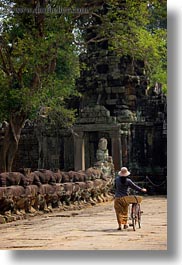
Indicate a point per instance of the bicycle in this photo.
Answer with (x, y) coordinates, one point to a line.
(135, 214)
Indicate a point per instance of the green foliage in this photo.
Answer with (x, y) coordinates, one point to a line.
(139, 29)
(59, 117)
(38, 57)
(134, 28)
(38, 63)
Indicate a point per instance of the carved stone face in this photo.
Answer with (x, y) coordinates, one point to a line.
(102, 144)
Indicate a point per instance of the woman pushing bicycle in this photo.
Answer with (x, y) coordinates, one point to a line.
(121, 198)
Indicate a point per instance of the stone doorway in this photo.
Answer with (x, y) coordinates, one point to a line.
(91, 146)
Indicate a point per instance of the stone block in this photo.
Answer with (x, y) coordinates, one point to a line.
(111, 101)
(10, 218)
(108, 90)
(115, 82)
(118, 89)
(102, 68)
(2, 219)
(132, 98)
(131, 90)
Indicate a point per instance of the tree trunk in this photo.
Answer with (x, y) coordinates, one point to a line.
(12, 131)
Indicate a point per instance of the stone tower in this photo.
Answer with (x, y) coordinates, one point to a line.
(115, 105)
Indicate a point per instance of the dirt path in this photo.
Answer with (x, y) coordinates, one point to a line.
(92, 228)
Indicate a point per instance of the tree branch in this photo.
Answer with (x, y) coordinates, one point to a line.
(4, 66)
(13, 130)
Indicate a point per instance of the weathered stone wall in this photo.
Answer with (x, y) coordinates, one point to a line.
(111, 81)
(40, 147)
(119, 85)
(116, 104)
(145, 152)
(28, 151)
(148, 152)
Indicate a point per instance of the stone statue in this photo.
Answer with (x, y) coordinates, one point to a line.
(102, 151)
(107, 167)
(104, 161)
(111, 166)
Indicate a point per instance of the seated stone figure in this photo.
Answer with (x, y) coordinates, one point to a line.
(102, 151)
(104, 161)
(107, 168)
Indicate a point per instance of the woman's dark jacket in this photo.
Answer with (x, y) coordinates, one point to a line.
(122, 185)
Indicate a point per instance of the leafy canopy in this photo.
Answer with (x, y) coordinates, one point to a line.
(138, 29)
(38, 63)
(39, 55)
(134, 28)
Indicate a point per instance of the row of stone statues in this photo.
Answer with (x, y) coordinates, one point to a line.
(42, 190)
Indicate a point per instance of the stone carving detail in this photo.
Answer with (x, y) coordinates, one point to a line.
(104, 161)
(32, 192)
(102, 151)
(107, 167)
(126, 115)
(96, 114)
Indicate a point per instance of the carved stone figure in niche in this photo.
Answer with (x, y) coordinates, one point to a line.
(102, 151)
(106, 169)
(111, 165)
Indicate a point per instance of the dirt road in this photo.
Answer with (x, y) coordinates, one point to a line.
(92, 228)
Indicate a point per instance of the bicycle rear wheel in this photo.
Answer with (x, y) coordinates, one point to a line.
(134, 223)
(133, 216)
(139, 217)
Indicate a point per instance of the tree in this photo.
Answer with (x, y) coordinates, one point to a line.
(38, 55)
(134, 28)
(38, 66)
